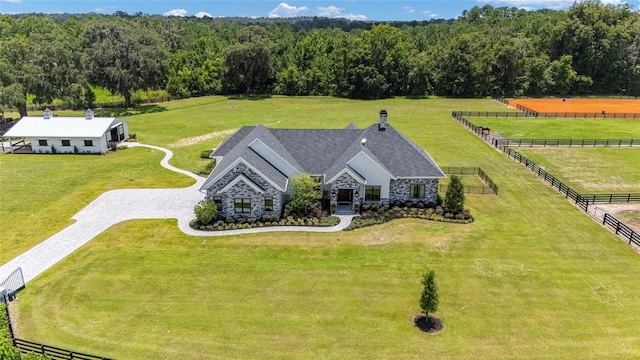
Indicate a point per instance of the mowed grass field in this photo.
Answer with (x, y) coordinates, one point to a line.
(532, 277)
(591, 170)
(550, 128)
(40, 193)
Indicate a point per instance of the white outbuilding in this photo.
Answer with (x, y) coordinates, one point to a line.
(66, 135)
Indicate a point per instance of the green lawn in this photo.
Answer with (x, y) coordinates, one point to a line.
(532, 277)
(40, 193)
(591, 170)
(531, 128)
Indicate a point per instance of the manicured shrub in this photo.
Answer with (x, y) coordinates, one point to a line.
(205, 154)
(205, 211)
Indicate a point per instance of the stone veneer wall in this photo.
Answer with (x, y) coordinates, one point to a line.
(345, 181)
(401, 190)
(242, 190)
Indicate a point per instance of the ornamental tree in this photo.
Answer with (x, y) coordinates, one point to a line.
(454, 198)
(429, 299)
(305, 195)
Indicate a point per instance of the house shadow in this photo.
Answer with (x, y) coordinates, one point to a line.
(253, 97)
(136, 110)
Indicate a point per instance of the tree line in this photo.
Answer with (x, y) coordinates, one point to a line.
(592, 48)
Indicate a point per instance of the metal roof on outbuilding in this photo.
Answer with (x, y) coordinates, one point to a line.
(62, 127)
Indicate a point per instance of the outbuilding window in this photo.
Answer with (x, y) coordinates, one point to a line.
(88, 143)
(42, 142)
(242, 205)
(372, 193)
(66, 142)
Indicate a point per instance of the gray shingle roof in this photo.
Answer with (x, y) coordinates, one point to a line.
(326, 151)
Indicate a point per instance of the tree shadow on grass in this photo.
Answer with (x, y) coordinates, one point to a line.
(429, 324)
(253, 97)
(137, 110)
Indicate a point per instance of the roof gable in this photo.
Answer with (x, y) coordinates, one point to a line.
(321, 152)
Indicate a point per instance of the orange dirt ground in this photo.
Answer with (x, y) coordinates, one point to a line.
(579, 105)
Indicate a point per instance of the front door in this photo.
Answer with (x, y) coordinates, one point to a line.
(345, 196)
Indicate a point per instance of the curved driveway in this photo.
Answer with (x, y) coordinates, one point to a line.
(115, 206)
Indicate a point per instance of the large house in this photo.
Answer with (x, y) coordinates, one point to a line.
(66, 135)
(373, 165)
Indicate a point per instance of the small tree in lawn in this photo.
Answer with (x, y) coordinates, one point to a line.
(454, 198)
(306, 193)
(205, 211)
(429, 298)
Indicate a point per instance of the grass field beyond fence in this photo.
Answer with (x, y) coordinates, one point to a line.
(591, 170)
(532, 277)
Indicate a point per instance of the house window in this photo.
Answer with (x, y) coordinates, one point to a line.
(268, 203)
(88, 143)
(66, 142)
(372, 193)
(218, 201)
(42, 142)
(417, 191)
(242, 205)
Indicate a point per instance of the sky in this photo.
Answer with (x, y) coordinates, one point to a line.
(365, 10)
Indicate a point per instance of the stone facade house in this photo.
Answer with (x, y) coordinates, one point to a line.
(355, 166)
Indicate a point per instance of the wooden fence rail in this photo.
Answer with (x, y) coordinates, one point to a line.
(566, 142)
(621, 229)
(30, 347)
(524, 112)
(462, 170)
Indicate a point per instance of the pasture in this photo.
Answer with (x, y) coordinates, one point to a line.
(570, 105)
(532, 277)
(591, 170)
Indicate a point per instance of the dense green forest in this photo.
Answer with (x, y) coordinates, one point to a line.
(592, 48)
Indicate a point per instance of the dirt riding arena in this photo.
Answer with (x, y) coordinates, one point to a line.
(570, 105)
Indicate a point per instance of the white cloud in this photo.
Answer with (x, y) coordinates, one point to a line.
(548, 4)
(329, 11)
(176, 12)
(201, 14)
(408, 9)
(430, 14)
(12, 1)
(286, 10)
(354, 17)
(336, 12)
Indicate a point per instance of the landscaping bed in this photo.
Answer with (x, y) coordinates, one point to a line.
(231, 223)
(374, 214)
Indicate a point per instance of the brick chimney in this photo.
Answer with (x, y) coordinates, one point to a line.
(382, 126)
